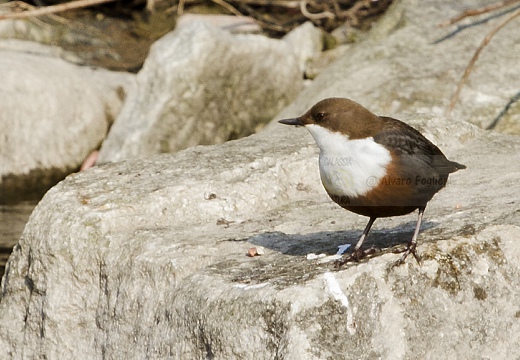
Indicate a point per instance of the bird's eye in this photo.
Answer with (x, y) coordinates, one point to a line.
(319, 117)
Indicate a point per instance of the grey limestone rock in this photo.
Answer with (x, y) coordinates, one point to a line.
(146, 258)
(53, 114)
(203, 85)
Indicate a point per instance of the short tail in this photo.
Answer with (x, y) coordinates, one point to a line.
(457, 166)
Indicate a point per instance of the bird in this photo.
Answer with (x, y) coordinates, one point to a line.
(375, 166)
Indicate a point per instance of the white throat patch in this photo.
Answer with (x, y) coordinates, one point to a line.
(349, 167)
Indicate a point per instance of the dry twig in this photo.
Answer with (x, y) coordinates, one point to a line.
(314, 16)
(279, 16)
(180, 7)
(475, 12)
(282, 16)
(53, 9)
(353, 12)
(228, 7)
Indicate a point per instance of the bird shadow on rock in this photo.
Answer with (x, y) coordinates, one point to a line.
(290, 266)
(327, 242)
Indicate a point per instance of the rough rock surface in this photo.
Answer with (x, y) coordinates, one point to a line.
(53, 114)
(203, 85)
(146, 258)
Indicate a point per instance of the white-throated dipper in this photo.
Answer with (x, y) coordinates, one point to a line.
(373, 165)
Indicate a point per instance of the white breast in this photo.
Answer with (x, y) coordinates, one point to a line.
(349, 167)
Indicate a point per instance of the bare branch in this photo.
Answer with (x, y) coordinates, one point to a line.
(53, 9)
(180, 8)
(314, 16)
(475, 12)
(228, 7)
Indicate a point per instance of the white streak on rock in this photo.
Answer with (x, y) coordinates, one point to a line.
(339, 295)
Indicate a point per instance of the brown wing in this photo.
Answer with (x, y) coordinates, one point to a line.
(404, 141)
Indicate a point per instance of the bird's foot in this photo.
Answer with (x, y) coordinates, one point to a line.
(356, 256)
(409, 249)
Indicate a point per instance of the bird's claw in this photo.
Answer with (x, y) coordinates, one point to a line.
(409, 249)
(356, 256)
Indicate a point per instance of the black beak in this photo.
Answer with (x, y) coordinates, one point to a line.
(295, 122)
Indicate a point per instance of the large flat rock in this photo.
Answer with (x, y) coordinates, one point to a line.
(201, 85)
(146, 259)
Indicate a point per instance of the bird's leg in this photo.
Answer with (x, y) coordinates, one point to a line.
(358, 254)
(410, 248)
